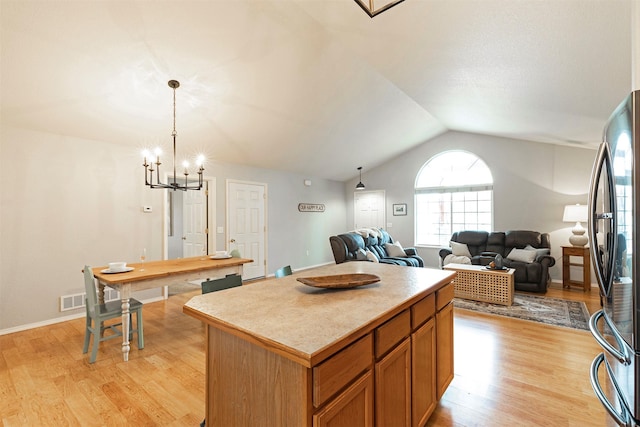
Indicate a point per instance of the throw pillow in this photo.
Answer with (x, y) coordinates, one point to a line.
(455, 259)
(372, 257)
(395, 249)
(522, 255)
(539, 252)
(361, 255)
(460, 249)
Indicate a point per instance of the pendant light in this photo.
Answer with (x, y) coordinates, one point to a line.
(360, 185)
(149, 167)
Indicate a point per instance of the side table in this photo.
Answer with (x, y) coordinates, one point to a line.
(581, 252)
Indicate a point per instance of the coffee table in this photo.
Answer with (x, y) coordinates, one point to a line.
(478, 283)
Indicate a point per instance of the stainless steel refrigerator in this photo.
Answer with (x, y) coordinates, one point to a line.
(614, 245)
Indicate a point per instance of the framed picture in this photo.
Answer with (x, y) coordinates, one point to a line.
(399, 209)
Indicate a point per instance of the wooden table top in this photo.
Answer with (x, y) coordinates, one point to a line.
(164, 268)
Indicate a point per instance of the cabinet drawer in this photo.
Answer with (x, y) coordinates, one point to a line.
(340, 369)
(422, 311)
(444, 296)
(392, 332)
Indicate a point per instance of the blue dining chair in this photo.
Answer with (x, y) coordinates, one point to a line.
(97, 314)
(229, 281)
(284, 271)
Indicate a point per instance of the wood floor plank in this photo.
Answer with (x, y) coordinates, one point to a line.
(507, 372)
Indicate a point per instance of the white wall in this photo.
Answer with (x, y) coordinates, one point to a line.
(532, 184)
(66, 202)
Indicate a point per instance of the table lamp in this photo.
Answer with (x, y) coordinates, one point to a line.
(577, 214)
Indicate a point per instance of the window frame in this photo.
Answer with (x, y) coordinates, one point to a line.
(450, 211)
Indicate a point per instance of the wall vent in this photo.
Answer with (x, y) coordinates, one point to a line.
(74, 301)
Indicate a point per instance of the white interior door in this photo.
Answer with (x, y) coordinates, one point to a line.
(369, 209)
(194, 235)
(246, 225)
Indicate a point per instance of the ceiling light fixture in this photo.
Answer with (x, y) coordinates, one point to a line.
(374, 7)
(149, 167)
(360, 185)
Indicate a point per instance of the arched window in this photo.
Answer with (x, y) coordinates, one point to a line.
(453, 192)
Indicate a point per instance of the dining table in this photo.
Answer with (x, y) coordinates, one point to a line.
(156, 274)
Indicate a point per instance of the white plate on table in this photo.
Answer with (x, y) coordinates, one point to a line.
(122, 270)
(220, 256)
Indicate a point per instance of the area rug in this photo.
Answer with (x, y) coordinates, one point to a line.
(552, 311)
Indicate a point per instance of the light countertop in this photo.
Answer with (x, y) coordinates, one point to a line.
(305, 323)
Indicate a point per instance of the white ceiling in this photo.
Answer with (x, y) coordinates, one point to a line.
(314, 87)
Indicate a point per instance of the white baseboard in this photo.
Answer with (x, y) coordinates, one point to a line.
(80, 314)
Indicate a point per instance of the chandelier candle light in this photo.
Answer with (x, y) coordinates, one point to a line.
(149, 167)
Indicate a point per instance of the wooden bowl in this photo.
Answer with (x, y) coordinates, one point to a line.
(340, 280)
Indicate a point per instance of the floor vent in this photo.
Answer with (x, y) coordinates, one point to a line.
(73, 301)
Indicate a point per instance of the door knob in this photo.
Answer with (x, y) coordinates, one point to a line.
(232, 240)
(184, 237)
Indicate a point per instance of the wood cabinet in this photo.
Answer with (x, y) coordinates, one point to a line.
(444, 334)
(577, 252)
(381, 370)
(444, 349)
(423, 374)
(393, 387)
(406, 379)
(351, 408)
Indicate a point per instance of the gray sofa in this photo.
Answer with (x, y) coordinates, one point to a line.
(353, 246)
(531, 275)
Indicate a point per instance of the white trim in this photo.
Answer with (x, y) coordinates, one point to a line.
(62, 319)
(266, 216)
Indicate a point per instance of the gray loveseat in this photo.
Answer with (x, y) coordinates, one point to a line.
(353, 246)
(531, 260)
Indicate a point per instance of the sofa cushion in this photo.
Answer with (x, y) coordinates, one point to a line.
(372, 257)
(460, 249)
(395, 249)
(539, 252)
(522, 255)
(361, 254)
(455, 259)
(521, 238)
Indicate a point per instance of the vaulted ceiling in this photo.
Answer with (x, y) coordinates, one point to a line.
(315, 87)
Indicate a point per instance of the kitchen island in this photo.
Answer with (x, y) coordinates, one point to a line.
(281, 353)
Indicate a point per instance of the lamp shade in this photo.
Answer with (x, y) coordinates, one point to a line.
(575, 213)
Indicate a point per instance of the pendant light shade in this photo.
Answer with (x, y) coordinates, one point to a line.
(360, 185)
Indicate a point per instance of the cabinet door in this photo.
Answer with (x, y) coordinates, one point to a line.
(351, 408)
(444, 348)
(393, 387)
(423, 372)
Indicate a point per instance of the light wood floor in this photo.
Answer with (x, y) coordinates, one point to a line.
(508, 373)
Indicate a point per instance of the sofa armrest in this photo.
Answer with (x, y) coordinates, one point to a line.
(339, 249)
(444, 252)
(546, 260)
(410, 251)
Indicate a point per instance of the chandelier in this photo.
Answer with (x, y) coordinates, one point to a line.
(374, 7)
(150, 168)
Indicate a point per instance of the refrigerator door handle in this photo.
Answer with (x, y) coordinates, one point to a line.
(603, 161)
(622, 355)
(623, 419)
